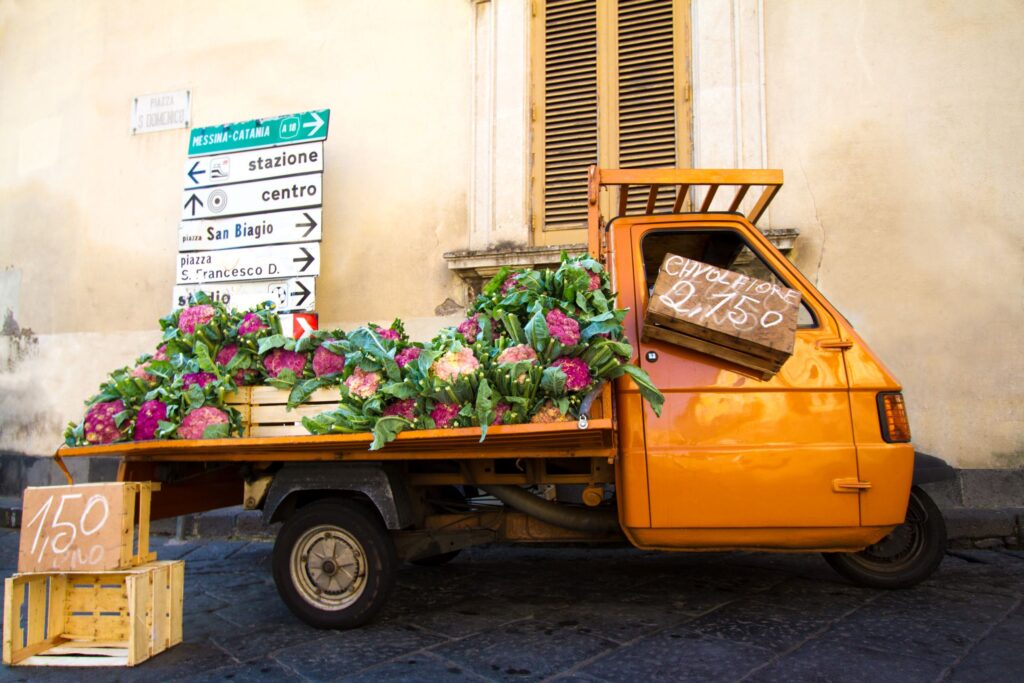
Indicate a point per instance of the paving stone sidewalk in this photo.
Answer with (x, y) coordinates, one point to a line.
(567, 614)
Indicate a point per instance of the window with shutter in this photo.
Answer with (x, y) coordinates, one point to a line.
(610, 87)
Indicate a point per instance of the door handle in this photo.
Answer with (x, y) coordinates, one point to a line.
(850, 485)
(835, 344)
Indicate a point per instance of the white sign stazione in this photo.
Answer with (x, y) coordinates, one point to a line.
(258, 164)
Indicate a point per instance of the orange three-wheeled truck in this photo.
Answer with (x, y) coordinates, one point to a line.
(817, 458)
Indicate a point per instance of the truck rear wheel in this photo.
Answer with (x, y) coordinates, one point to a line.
(908, 555)
(334, 564)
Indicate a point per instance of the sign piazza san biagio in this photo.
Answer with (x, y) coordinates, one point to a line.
(252, 212)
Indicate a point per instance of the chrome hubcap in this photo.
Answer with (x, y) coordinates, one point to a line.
(328, 567)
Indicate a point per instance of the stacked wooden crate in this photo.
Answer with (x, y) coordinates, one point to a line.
(265, 410)
(88, 591)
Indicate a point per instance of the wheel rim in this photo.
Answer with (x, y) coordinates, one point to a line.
(901, 547)
(328, 567)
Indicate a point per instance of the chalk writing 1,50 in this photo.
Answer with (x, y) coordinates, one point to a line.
(60, 535)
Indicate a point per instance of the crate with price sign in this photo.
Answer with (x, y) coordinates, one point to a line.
(88, 591)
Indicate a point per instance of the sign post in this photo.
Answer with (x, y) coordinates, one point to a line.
(252, 213)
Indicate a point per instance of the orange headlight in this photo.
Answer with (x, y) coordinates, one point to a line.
(893, 417)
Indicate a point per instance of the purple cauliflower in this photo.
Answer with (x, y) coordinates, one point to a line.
(388, 333)
(562, 327)
(510, 283)
(242, 377)
(444, 414)
(406, 409)
(577, 372)
(499, 412)
(363, 384)
(250, 323)
(470, 328)
(99, 422)
(595, 281)
(280, 359)
(195, 316)
(148, 419)
(197, 378)
(326, 362)
(406, 356)
(196, 422)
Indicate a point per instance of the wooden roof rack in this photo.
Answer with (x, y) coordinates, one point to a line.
(682, 179)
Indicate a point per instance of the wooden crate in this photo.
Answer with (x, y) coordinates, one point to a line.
(116, 618)
(736, 317)
(85, 527)
(265, 410)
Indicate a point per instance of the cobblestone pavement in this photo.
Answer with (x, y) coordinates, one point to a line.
(527, 614)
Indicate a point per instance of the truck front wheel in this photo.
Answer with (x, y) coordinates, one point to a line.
(334, 564)
(908, 555)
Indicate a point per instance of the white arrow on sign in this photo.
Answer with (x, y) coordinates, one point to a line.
(280, 227)
(316, 124)
(260, 196)
(259, 164)
(295, 294)
(249, 263)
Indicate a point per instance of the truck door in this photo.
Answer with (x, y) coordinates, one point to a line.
(731, 451)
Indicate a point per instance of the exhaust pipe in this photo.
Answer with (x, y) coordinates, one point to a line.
(602, 521)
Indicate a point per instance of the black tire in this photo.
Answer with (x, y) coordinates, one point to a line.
(436, 560)
(334, 564)
(908, 555)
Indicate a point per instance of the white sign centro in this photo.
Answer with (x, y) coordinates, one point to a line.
(295, 294)
(262, 196)
(254, 165)
(281, 227)
(161, 111)
(249, 263)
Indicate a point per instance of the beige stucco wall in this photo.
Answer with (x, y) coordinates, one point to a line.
(899, 127)
(88, 211)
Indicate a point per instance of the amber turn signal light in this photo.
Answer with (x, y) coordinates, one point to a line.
(893, 417)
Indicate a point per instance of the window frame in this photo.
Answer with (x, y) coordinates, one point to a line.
(806, 305)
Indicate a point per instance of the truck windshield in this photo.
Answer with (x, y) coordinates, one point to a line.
(720, 248)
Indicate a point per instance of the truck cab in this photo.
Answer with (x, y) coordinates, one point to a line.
(816, 457)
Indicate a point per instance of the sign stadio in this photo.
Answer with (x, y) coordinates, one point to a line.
(293, 294)
(281, 130)
(249, 263)
(280, 227)
(257, 164)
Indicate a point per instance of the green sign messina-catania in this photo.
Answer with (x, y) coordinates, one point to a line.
(280, 130)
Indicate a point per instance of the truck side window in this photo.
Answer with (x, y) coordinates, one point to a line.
(722, 249)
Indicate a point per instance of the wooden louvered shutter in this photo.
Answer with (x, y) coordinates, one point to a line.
(570, 110)
(611, 89)
(646, 78)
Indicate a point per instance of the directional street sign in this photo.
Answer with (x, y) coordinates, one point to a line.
(295, 294)
(249, 263)
(257, 164)
(281, 130)
(259, 196)
(280, 227)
